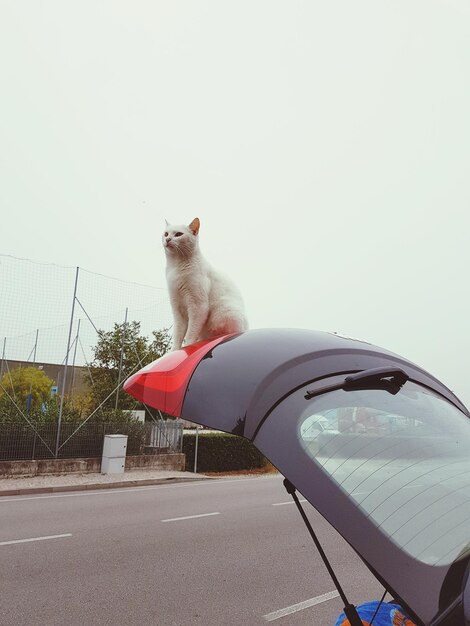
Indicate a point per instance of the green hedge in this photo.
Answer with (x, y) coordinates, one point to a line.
(220, 452)
(20, 441)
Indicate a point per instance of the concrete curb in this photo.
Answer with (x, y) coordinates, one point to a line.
(94, 486)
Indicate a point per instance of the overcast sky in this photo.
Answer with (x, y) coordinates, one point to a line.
(323, 145)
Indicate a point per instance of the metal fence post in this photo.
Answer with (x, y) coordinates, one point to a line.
(35, 347)
(195, 449)
(59, 419)
(29, 401)
(3, 357)
(34, 446)
(120, 360)
(74, 357)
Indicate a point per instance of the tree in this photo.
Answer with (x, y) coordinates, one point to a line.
(27, 390)
(29, 387)
(118, 354)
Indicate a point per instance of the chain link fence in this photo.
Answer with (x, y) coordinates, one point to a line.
(60, 391)
(20, 442)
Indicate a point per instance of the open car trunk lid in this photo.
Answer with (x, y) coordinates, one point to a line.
(376, 444)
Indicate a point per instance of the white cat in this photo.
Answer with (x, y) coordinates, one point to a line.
(205, 303)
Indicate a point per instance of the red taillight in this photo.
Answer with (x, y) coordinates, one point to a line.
(162, 384)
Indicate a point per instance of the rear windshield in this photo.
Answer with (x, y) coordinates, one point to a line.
(403, 458)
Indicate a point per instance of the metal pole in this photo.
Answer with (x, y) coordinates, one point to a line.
(59, 420)
(349, 609)
(34, 446)
(120, 360)
(35, 347)
(30, 400)
(3, 357)
(195, 448)
(74, 357)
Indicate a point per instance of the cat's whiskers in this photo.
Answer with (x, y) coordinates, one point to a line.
(179, 249)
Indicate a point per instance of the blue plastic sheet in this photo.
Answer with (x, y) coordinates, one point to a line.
(388, 614)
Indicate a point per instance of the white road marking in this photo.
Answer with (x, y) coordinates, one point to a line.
(290, 502)
(9, 543)
(111, 491)
(270, 617)
(178, 519)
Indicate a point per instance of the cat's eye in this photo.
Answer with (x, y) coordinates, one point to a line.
(165, 234)
(178, 234)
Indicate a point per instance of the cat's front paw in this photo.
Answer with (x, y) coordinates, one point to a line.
(190, 340)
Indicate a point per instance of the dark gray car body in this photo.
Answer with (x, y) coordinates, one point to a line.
(256, 383)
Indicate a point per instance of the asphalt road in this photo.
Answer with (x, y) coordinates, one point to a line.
(218, 552)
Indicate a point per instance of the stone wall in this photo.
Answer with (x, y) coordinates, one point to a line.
(167, 462)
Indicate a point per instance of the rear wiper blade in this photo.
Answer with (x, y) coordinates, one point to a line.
(389, 379)
(386, 378)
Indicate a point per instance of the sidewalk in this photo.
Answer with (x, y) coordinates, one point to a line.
(81, 482)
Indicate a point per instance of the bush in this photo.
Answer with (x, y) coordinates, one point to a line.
(20, 441)
(220, 452)
(88, 441)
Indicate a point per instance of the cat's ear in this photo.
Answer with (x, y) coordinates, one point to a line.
(167, 223)
(194, 226)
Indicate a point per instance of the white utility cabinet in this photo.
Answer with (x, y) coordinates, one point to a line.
(114, 454)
